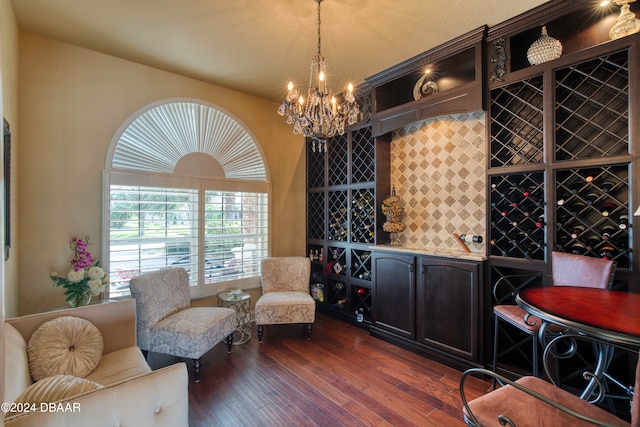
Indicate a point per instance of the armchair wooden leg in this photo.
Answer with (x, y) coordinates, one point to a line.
(260, 332)
(196, 369)
(308, 328)
(229, 342)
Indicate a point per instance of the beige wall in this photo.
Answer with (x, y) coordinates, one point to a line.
(72, 101)
(9, 58)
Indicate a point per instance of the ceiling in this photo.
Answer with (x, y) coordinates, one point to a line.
(257, 46)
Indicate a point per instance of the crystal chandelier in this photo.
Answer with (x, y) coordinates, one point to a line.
(320, 116)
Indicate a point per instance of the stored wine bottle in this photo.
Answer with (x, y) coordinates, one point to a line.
(607, 208)
(607, 186)
(591, 198)
(607, 251)
(577, 230)
(607, 231)
(561, 243)
(576, 208)
(577, 248)
(591, 242)
(623, 222)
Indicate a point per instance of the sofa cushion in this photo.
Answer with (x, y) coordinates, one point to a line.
(66, 345)
(119, 365)
(53, 389)
(16, 363)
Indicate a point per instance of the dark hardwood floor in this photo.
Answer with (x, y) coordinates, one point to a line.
(342, 377)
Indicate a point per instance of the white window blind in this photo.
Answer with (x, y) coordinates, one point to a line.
(153, 227)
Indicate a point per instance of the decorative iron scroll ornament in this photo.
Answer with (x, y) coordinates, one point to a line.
(500, 59)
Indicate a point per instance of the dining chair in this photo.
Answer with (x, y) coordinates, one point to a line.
(532, 401)
(285, 294)
(567, 270)
(166, 323)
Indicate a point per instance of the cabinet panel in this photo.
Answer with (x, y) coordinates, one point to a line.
(447, 306)
(394, 293)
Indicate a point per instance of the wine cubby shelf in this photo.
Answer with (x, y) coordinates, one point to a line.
(343, 219)
(590, 204)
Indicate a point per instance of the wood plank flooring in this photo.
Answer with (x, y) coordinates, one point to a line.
(342, 377)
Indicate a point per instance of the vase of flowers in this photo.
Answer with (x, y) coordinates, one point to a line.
(85, 279)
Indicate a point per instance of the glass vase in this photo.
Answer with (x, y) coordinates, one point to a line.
(79, 300)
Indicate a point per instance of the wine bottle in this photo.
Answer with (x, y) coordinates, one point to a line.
(577, 248)
(591, 198)
(607, 251)
(576, 208)
(623, 222)
(577, 230)
(591, 242)
(607, 186)
(561, 243)
(607, 231)
(607, 208)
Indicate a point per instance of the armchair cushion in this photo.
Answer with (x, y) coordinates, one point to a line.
(66, 345)
(191, 333)
(55, 388)
(285, 307)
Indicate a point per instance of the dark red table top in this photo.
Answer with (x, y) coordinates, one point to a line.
(606, 314)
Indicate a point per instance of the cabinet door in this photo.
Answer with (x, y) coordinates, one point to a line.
(394, 293)
(447, 306)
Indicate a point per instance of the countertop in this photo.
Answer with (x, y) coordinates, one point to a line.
(446, 253)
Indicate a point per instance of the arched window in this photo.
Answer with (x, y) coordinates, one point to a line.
(186, 185)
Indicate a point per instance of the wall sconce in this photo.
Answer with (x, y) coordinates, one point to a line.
(627, 23)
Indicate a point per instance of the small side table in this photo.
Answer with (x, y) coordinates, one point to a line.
(241, 302)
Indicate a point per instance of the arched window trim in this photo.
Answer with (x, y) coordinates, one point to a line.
(244, 181)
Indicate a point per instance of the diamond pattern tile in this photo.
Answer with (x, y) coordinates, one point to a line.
(437, 168)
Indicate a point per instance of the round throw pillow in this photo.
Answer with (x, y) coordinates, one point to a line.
(55, 388)
(66, 345)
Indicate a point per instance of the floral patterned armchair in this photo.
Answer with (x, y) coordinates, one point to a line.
(285, 294)
(167, 324)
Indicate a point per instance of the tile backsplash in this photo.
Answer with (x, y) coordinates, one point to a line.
(438, 170)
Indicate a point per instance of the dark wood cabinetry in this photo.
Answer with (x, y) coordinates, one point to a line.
(345, 186)
(454, 83)
(431, 305)
(562, 139)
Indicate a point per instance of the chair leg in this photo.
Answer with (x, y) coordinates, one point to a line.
(196, 369)
(308, 328)
(495, 349)
(260, 332)
(229, 342)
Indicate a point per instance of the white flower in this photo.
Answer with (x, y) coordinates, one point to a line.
(96, 273)
(96, 286)
(75, 276)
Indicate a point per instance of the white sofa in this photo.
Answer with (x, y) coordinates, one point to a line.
(132, 395)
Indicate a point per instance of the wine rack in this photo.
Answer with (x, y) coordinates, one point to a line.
(338, 227)
(342, 218)
(518, 216)
(363, 151)
(363, 216)
(361, 302)
(361, 264)
(592, 206)
(516, 123)
(592, 108)
(315, 215)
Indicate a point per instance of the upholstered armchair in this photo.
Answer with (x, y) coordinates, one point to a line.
(533, 401)
(166, 323)
(285, 294)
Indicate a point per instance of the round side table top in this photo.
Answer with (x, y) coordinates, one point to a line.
(233, 296)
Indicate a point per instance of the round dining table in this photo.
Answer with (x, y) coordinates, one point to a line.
(608, 315)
